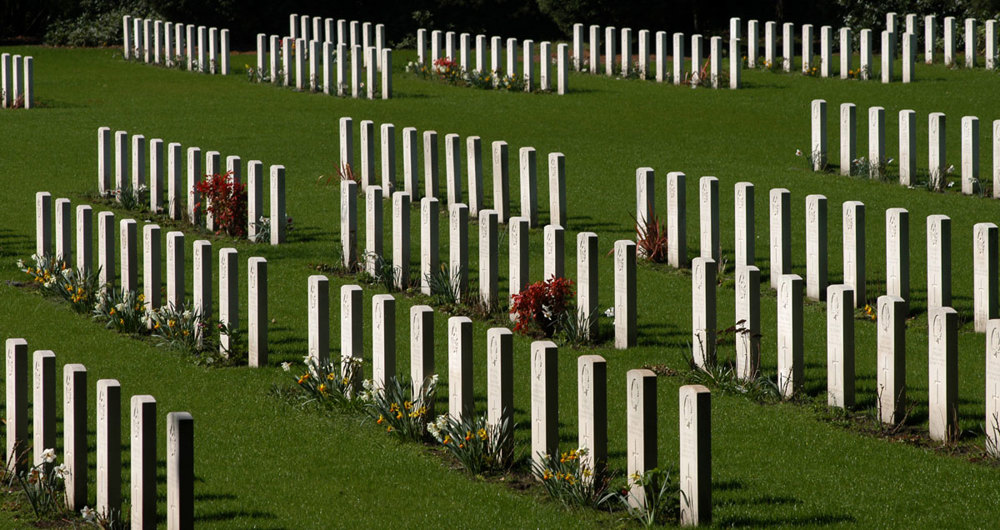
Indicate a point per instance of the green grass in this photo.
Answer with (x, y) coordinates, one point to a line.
(263, 462)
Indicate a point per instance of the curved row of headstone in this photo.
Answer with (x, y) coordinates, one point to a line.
(592, 410)
(527, 157)
(936, 141)
(618, 61)
(339, 32)
(458, 255)
(891, 312)
(17, 81)
(197, 169)
(950, 35)
(443, 46)
(40, 376)
(282, 59)
(128, 252)
(205, 50)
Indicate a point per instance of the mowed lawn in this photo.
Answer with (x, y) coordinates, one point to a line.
(263, 462)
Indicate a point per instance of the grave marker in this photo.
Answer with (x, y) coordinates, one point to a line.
(891, 386)
(747, 322)
(109, 448)
(840, 346)
(428, 242)
(352, 319)
(745, 233)
(970, 154)
(554, 264)
(676, 220)
(383, 340)
(16, 419)
(816, 247)
(257, 312)
(488, 258)
(790, 335)
(942, 378)
(180, 471)
(143, 461)
(625, 308)
(373, 229)
(781, 234)
(703, 312)
(695, 433)
(460, 389)
(586, 283)
(401, 238)
(641, 428)
(592, 412)
(986, 305)
(319, 319)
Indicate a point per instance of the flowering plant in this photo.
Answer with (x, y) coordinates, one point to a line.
(42, 485)
(123, 311)
(56, 277)
(397, 409)
(329, 383)
(481, 448)
(226, 200)
(541, 305)
(571, 480)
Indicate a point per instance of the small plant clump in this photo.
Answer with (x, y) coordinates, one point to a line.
(225, 198)
(540, 306)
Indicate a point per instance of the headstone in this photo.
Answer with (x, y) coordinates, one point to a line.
(909, 56)
(781, 234)
(865, 55)
(387, 137)
(697, 58)
(500, 386)
(371, 72)
(352, 320)
(430, 164)
(401, 239)
(373, 229)
(594, 51)
(745, 232)
(421, 349)
(641, 428)
(194, 176)
(143, 461)
(488, 258)
(458, 255)
(970, 43)
(993, 386)
(127, 37)
(876, 142)
(770, 43)
(554, 262)
(544, 401)
(328, 65)
(156, 175)
(643, 62)
(191, 45)
(887, 56)
(453, 169)
(703, 311)
(626, 329)
(410, 178)
(747, 322)
(106, 250)
(708, 210)
(907, 147)
(84, 239)
(180, 471)
(481, 54)
(175, 270)
(985, 266)
(274, 47)
(367, 154)
(43, 224)
(74, 434)
(511, 57)
(991, 44)
(854, 250)
(501, 183)
(429, 246)
(897, 253)
(64, 232)
(449, 46)
(676, 220)
(109, 448)
(314, 57)
(891, 385)
(645, 199)
(586, 288)
(228, 295)
(474, 168)
(460, 389)
(518, 254)
(16, 419)
(529, 185)
(626, 52)
(678, 58)
(695, 433)
(790, 335)
(942, 379)
(347, 142)
(949, 41)
(349, 223)
(787, 46)
(357, 61)
(277, 196)
(129, 255)
(610, 50)
(557, 189)
(840, 346)
(715, 60)
(202, 49)
(342, 59)
(735, 64)
(846, 53)
(930, 21)
(807, 47)
(661, 56)
(818, 153)
(936, 152)
(753, 42)
(175, 164)
(577, 50)
(383, 340)
(213, 168)
(592, 412)
(938, 261)
(319, 319)
(527, 64)
(970, 154)
(257, 327)
(151, 274)
(816, 247)
(104, 162)
(996, 159)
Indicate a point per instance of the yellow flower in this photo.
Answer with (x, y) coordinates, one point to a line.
(186, 333)
(304, 378)
(156, 326)
(407, 405)
(380, 420)
(121, 321)
(331, 376)
(322, 388)
(482, 434)
(447, 440)
(388, 429)
(112, 311)
(468, 435)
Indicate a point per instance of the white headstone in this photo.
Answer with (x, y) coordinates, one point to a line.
(678, 58)
(703, 311)
(74, 433)
(897, 253)
(695, 433)
(907, 147)
(985, 267)
(428, 242)
(104, 161)
(500, 386)
(16, 419)
(180, 471)
(277, 196)
(349, 223)
(387, 137)
(790, 335)
(474, 168)
(816, 247)
(151, 274)
(430, 164)
(970, 154)
(592, 412)
(993, 385)
(421, 349)
(938, 261)
(645, 199)
(891, 385)
(410, 177)
(128, 243)
(518, 254)
(109, 448)
(553, 252)
(319, 319)
(374, 236)
(194, 176)
(625, 308)
(544, 400)
(641, 419)
(401, 238)
(85, 239)
(257, 312)
(840, 346)
(846, 53)
(352, 319)
(228, 294)
(143, 461)
(747, 322)
(488, 258)
(458, 250)
(676, 219)
(453, 169)
(708, 212)
(781, 234)
(745, 233)
(383, 340)
(936, 122)
(854, 250)
(818, 152)
(501, 183)
(942, 378)
(460, 389)
(876, 142)
(106, 250)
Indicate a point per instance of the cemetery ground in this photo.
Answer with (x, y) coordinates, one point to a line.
(264, 461)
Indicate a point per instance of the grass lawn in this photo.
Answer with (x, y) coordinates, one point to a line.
(265, 463)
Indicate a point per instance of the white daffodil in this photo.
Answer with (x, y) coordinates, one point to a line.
(88, 514)
(20, 264)
(49, 456)
(286, 366)
(609, 312)
(798, 152)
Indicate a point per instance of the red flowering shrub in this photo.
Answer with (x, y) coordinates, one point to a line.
(652, 240)
(540, 305)
(448, 70)
(227, 202)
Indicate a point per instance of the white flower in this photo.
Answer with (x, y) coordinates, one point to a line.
(49, 456)
(609, 312)
(950, 169)
(120, 307)
(61, 471)
(286, 366)
(891, 160)
(367, 384)
(88, 514)
(951, 184)
(434, 380)
(34, 257)
(186, 315)
(20, 264)
(798, 152)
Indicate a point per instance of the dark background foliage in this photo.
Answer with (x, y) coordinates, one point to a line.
(98, 22)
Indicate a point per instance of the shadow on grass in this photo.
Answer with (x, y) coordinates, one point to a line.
(791, 520)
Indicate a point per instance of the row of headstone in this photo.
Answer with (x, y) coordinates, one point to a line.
(694, 402)
(473, 168)
(949, 39)
(619, 61)
(201, 49)
(17, 81)
(283, 61)
(40, 376)
(937, 171)
(645, 202)
(443, 46)
(152, 275)
(151, 162)
(338, 32)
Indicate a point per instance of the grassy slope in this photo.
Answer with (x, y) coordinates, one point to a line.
(262, 462)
